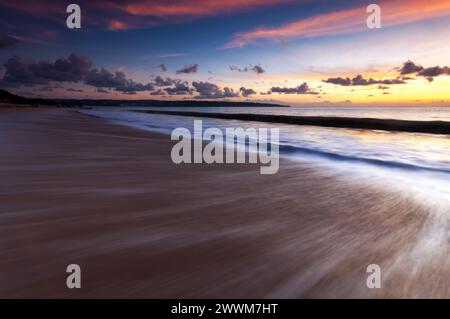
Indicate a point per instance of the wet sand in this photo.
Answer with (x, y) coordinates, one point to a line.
(77, 189)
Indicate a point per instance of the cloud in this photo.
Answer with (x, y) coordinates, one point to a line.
(126, 14)
(434, 71)
(7, 41)
(159, 81)
(429, 73)
(395, 12)
(339, 81)
(205, 90)
(117, 15)
(247, 92)
(117, 80)
(301, 89)
(72, 69)
(257, 69)
(117, 25)
(359, 80)
(208, 90)
(104, 79)
(235, 68)
(165, 56)
(20, 71)
(74, 90)
(188, 69)
(158, 92)
(79, 68)
(190, 8)
(410, 67)
(181, 88)
(46, 89)
(163, 67)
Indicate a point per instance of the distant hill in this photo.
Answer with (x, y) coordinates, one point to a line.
(6, 97)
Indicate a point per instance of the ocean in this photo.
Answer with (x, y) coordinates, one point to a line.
(415, 162)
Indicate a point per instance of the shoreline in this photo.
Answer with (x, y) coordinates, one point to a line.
(78, 189)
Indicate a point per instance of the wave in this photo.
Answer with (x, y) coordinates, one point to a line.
(429, 127)
(285, 147)
(291, 149)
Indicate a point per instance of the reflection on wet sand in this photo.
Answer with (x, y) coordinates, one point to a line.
(77, 189)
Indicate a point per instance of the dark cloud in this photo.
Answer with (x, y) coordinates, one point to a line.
(257, 69)
(434, 71)
(429, 73)
(7, 41)
(78, 68)
(181, 88)
(188, 69)
(228, 92)
(131, 87)
(172, 86)
(390, 81)
(46, 89)
(159, 81)
(163, 67)
(72, 69)
(339, 81)
(74, 90)
(301, 89)
(410, 67)
(359, 80)
(158, 92)
(20, 71)
(117, 80)
(208, 90)
(247, 92)
(105, 79)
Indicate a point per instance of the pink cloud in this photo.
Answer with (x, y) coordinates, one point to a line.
(116, 25)
(122, 15)
(394, 12)
(193, 8)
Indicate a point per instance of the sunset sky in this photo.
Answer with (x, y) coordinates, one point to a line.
(297, 52)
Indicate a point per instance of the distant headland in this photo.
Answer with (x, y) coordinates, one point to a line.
(7, 97)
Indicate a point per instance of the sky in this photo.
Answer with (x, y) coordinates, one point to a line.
(297, 52)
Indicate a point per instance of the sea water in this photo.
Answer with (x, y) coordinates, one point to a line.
(409, 161)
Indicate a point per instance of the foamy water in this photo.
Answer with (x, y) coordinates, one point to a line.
(409, 161)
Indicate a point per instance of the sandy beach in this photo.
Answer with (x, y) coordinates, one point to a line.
(78, 189)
